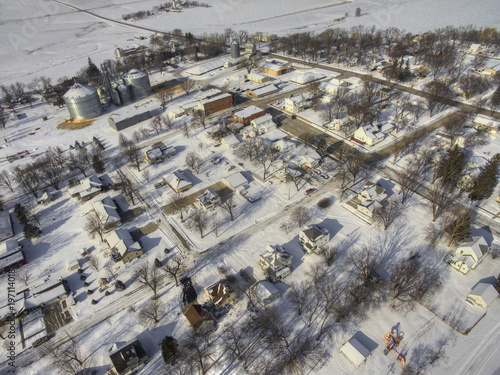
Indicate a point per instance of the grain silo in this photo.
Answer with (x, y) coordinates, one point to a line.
(235, 50)
(82, 102)
(124, 93)
(138, 84)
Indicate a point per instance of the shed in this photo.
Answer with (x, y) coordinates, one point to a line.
(74, 265)
(266, 292)
(483, 295)
(230, 141)
(354, 352)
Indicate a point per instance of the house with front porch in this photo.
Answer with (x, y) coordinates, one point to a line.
(468, 255)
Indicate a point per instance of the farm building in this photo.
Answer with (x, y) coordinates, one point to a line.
(129, 116)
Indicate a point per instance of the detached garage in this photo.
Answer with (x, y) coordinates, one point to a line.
(483, 295)
(354, 352)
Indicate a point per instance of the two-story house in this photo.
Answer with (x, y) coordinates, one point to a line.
(468, 255)
(276, 263)
(313, 238)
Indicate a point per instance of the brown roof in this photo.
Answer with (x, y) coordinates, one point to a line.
(219, 292)
(196, 315)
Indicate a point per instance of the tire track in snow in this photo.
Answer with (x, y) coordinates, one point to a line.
(481, 354)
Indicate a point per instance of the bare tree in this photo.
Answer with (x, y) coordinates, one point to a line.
(127, 188)
(438, 94)
(167, 122)
(144, 132)
(68, 358)
(178, 202)
(152, 312)
(199, 222)
(364, 262)
(94, 262)
(409, 179)
(216, 224)
(410, 281)
(149, 276)
(457, 223)
(194, 161)
(354, 164)
(3, 117)
(300, 215)
(146, 175)
(163, 97)
(51, 172)
(79, 160)
(200, 118)
(94, 226)
(300, 295)
(440, 199)
(27, 178)
(175, 267)
(200, 351)
(134, 155)
(456, 128)
(156, 124)
(110, 270)
(228, 206)
(7, 180)
(328, 255)
(25, 276)
(188, 85)
(387, 213)
(265, 158)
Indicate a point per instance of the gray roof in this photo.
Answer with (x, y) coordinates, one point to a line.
(486, 291)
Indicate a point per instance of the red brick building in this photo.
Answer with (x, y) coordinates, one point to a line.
(216, 103)
(245, 115)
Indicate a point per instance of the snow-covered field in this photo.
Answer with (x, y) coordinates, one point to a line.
(50, 39)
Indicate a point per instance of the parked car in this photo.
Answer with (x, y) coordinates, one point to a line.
(309, 191)
(325, 176)
(40, 341)
(317, 171)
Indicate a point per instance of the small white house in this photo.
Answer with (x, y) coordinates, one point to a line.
(372, 196)
(236, 182)
(283, 145)
(263, 124)
(485, 123)
(469, 254)
(208, 200)
(230, 141)
(354, 352)
(483, 295)
(369, 135)
(296, 104)
(266, 292)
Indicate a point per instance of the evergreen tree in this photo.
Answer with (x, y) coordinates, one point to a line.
(485, 183)
(31, 231)
(92, 69)
(97, 164)
(321, 147)
(20, 214)
(170, 350)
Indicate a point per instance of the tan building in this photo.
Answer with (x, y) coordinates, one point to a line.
(221, 293)
(121, 242)
(273, 68)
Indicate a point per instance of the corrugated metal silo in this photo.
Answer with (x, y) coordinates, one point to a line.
(124, 93)
(235, 50)
(83, 102)
(138, 83)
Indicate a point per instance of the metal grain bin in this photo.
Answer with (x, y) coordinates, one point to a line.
(138, 83)
(82, 102)
(124, 93)
(235, 50)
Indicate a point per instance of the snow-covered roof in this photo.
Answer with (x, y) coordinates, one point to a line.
(355, 352)
(486, 291)
(106, 211)
(271, 65)
(304, 78)
(179, 181)
(8, 247)
(33, 324)
(11, 258)
(256, 76)
(315, 232)
(122, 241)
(236, 180)
(262, 120)
(265, 290)
(247, 112)
(219, 291)
(214, 98)
(478, 245)
(208, 196)
(5, 223)
(205, 68)
(265, 90)
(230, 140)
(202, 95)
(79, 91)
